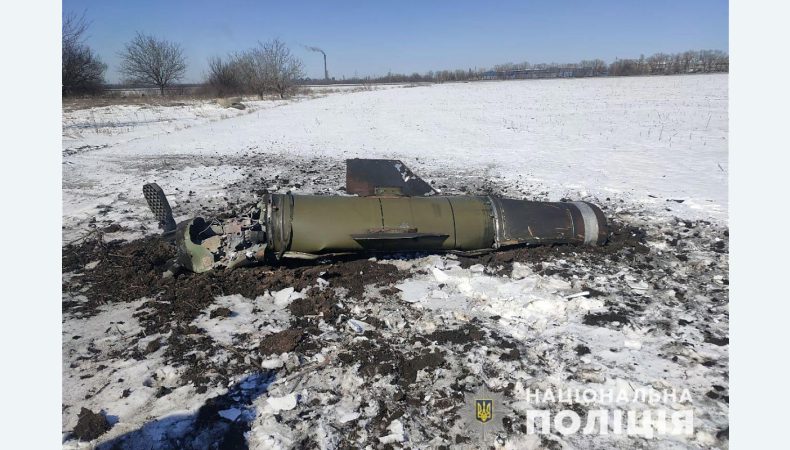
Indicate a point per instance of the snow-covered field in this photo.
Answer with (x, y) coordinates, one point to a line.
(388, 364)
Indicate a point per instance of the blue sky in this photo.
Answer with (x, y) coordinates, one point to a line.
(372, 38)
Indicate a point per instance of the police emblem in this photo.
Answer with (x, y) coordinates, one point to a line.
(482, 414)
(484, 410)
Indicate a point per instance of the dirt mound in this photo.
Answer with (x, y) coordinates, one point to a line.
(108, 272)
(316, 305)
(130, 271)
(90, 425)
(378, 357)
(624, 240)
(282, 342)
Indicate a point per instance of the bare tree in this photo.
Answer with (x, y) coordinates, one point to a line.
(250, 67)
(659, 63)
(82, 70)
(599, 66)
(73, 29)
(269, 67)
(148, 60)
(282, 68)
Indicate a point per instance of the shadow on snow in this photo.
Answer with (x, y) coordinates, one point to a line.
(206, 428)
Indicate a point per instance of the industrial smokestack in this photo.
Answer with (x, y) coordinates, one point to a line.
(316, 49)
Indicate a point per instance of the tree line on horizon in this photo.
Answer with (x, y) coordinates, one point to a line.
(271, 68)
(691, 61)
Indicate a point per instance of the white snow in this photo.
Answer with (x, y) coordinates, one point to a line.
(640, 139)
(635, 144)
(285, 296)
(272, 363)
(525, 302)
(123, 388)
(251, 317)
(396, 433)
(85, 130)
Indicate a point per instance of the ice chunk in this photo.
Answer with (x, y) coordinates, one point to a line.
(633, 344)
(231, 414)
(477, 268)
(358, 326)
(440, 276)
(272, 363)
(285, 403)
(396, 433)
(347, 416)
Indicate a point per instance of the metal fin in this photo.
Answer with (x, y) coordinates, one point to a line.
(159, 205)
(369, 177)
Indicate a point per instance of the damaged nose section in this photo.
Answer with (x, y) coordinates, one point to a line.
(197, 243)
(203, 246)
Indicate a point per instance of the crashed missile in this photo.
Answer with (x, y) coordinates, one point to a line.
(394, 211)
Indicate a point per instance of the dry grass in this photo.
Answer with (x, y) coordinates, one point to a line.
(73, 104)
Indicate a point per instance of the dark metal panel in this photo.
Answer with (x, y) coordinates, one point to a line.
(535, 222)
(527, 222)
(364, 176)
(400, 241)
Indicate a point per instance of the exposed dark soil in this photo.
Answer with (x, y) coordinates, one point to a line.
(600, 319)
(378, 357)
(133, 270)
(284, 341)
(469, 333)
(129, 271)
(90, 425)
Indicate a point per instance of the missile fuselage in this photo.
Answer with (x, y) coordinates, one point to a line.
(389, 210)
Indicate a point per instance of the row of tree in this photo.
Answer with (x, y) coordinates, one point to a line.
(692, 61)
(699, 61)
(271, 68)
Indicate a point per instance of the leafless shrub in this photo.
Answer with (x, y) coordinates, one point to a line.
(268, 68)
(224, 76)
(150, 61)
(82, 70)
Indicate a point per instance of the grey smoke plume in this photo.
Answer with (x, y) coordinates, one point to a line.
(316, 49)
